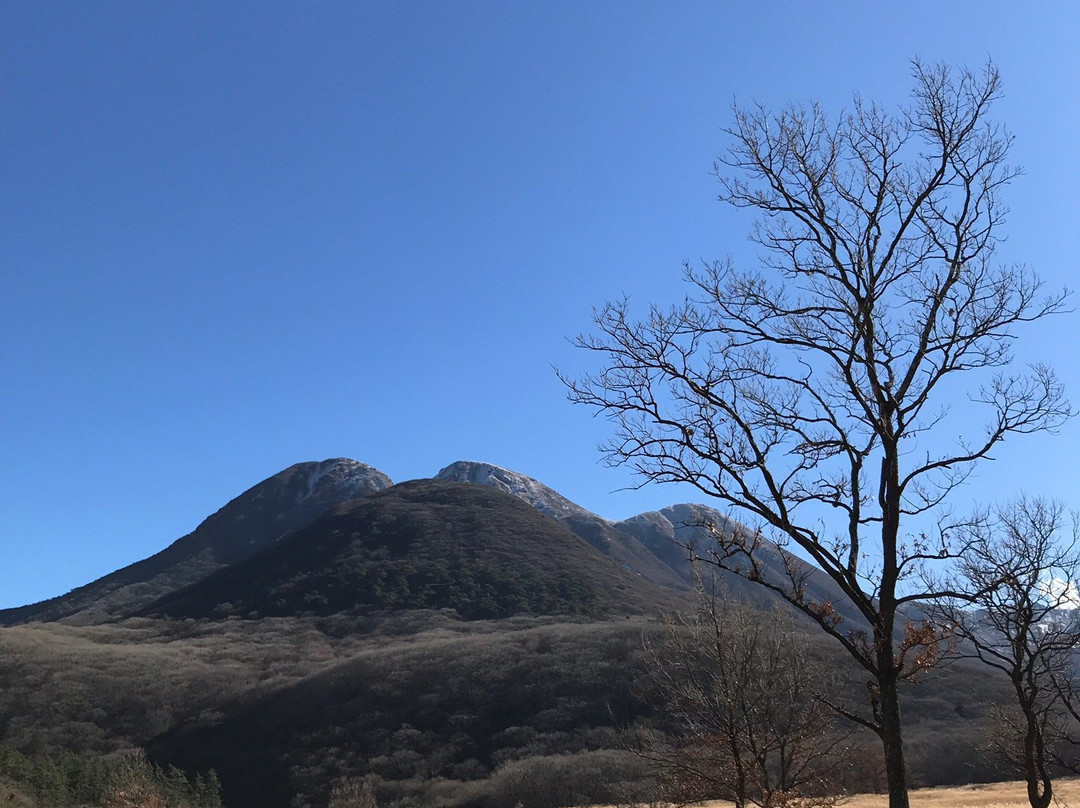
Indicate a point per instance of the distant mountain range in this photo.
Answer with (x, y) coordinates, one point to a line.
(339, 536)
(452, 638)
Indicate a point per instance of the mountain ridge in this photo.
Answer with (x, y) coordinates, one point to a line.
(603, 534)
(246, 525)
(422, 544)
(651, 546)
(328, 622)
(546, 500)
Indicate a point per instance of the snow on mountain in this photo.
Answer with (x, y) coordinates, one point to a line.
(342, 479)
(544, 499)
(667, 533)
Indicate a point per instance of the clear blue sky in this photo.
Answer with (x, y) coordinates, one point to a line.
(236, 236)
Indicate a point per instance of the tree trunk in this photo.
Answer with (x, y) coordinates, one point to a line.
(888, 672)
(740, 771)
(892, 740)
(886, 701)
(1040, 788)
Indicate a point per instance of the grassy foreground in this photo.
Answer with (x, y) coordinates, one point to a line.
(989, 795)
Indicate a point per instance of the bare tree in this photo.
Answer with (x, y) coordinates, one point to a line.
(1019, 578)
(739, 687)
(353, 793)
(812, 395)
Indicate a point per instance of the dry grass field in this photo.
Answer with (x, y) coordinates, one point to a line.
(992, 795)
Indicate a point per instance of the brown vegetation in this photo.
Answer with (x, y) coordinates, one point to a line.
(989, 795)
(435, 709)
(743, 706)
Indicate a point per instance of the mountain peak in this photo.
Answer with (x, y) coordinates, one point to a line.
(341, 478)
(544, 499)
(247, 525)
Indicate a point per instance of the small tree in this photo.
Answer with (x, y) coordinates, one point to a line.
(1018, 616)
(354, 793)
(812, 396)
(740, 689)
(134, 795)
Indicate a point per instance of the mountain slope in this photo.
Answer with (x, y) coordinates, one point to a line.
(253, 521)
(445, 703)
(427, 544)
(653, 544)
(607, 537)
(670, 532)
(546, 500)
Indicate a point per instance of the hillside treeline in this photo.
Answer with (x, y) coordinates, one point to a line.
(60, 779)
(432, 710)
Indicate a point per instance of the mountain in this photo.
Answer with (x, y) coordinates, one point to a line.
(667, 533)
(650, 547)
(546, 500)
(462, 641)
(246, 526)
(653, 544)
(621, 546)
(424, 544)
(670, 532)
